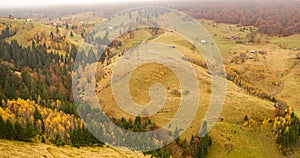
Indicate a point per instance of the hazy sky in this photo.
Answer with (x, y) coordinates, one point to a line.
(36, 3)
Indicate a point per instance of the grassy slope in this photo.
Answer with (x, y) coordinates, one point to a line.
(230, 137)
(32, 28)
(26, 28)
(289, 42)
(22, 149)
(279, 62)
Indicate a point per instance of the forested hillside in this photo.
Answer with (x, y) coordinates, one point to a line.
(273, 17)
(32, 73)
(43, 81)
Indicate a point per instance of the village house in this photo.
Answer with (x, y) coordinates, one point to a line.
(110, 28)
(12, 17)
(238, 37)
(203, 42)
(171, 46)
(52, 23)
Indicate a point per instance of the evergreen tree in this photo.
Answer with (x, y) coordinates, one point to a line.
(91, 56)
(2, 127)
(9, 130)
(71, 34)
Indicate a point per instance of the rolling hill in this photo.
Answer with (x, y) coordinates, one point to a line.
(276, 72)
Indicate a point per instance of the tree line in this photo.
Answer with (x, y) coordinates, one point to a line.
(15, 130)
(272, 17)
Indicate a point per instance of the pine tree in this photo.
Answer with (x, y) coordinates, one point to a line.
(91, 56)
(71, 34)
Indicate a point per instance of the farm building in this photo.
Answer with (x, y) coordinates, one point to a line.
(211, 72)
(12, 17)
(203, 42)
(52, 23)
(110, 28)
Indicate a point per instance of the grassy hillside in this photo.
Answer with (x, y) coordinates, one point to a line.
(275, 71)
(28, 31)
(232, 135)
(22, 149)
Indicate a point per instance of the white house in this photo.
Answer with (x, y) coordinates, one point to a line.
(171, 46)
(110, 28)
(203, 42)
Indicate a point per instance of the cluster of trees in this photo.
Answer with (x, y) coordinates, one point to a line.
(56, 40)
(287, 129)
(258, 73)
(24, 119)
(82, 137)
(199, 146)
(36, 74)
(7, 30)
(195, 147)
(162, 153)
(234, 75)
(54, 124)
(140, 124)
(273, 17)
(198, 62)
(15, 130)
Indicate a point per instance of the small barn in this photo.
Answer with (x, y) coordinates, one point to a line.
(52, 23)
(172, 46)
(12, 17)
(203, 42)
(110, 28)
(211, 72)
